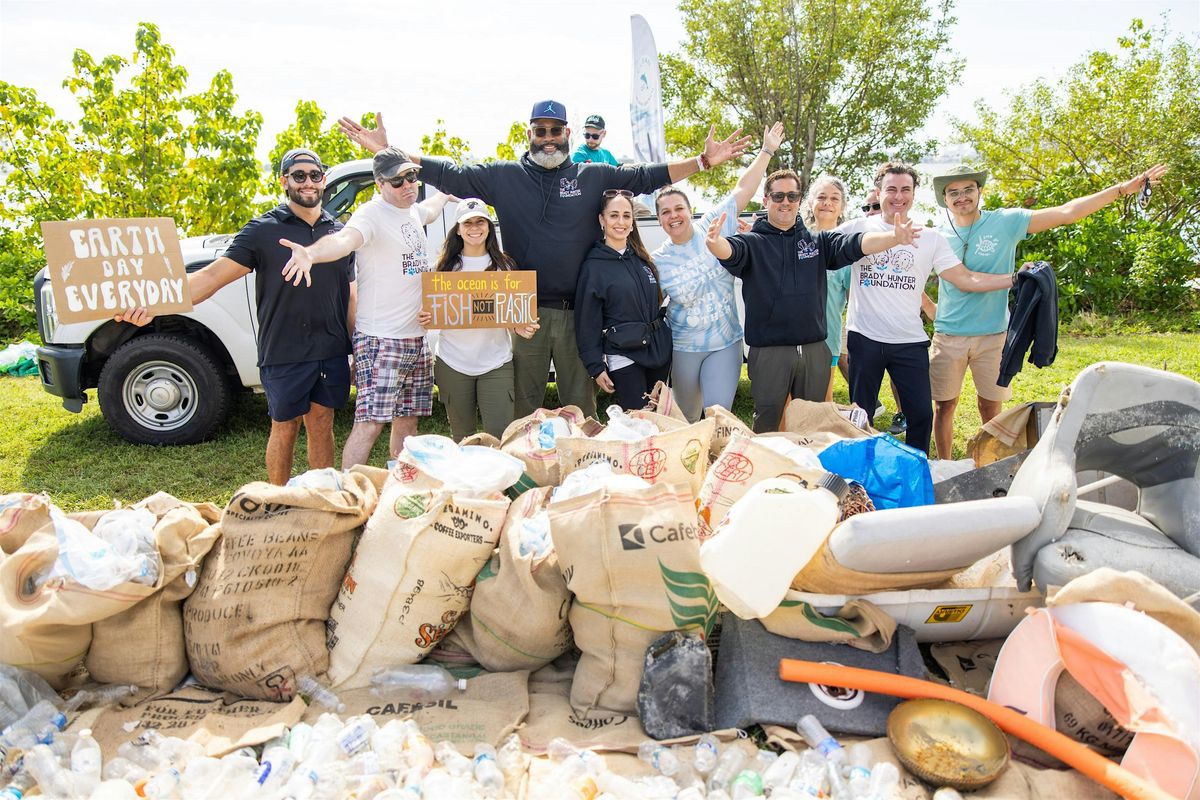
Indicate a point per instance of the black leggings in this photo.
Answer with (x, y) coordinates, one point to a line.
(908, 365)
(631, 383)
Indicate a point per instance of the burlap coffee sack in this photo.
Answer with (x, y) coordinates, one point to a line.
(859, 623)
(727, 424)
(743, 463)
(376, 475)
(672, 457)
(410, 580)
(46, 625)
(480, 439)
(1112, 586)
(662, 401)
(159, 660)
(820, 423)
(1002, 436)
(256, 621)
(825, 575)
(660, 421)
(968, 665)
(521, 439)
(220, 723)
(493, 705)
(632, 560)
(518, 615)
(21, 514)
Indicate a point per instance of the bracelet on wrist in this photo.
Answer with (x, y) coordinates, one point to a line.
(770, 153)
(704, 162)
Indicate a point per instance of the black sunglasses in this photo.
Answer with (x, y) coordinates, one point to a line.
(399, 180)
(869, 207)
(299, 175)
(779, 197)
(541, 131)
(618, 193)
(592, 135)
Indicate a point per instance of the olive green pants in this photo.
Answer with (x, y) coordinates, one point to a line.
(555, 339)
(491, 394)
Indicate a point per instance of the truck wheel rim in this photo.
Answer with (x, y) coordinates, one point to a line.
(159, 395)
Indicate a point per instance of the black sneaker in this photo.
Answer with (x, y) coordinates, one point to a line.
(899, 425)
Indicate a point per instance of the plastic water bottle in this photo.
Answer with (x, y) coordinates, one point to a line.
(356, 735)
(48, 772)
(659, 757)
(86, 761)
(18, 785)
(779, 774)
(704, 758)
(510, 758)
(859, 779)
(275, 768)
(487, 771)
(748, 783)
(819, 739)
(163, 785)
(418, 753)
(810, 776)
(424, 683)
(885, 782)
(946, 793)
(311, 688)
(728, 765)
(455, 762)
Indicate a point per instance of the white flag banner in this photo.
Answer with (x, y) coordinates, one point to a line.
(645, 96)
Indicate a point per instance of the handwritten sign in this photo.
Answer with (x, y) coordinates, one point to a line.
(480, 299)
(99, 267)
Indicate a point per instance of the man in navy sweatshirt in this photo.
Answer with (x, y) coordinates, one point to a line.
(782, 266)
(548, 208)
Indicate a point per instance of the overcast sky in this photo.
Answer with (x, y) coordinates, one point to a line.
(480, 66)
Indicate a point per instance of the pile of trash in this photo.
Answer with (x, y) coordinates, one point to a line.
(625, 588)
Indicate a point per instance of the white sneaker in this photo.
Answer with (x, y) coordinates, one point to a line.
(881, 409)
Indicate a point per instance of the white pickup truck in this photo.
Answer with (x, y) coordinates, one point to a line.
(172, 382)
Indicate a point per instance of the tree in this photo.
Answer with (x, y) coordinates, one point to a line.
(1113, 115)
(852, 80)
(309, 130)
(143, 146)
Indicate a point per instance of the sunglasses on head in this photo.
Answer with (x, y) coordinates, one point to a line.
(618, 193)
(299, 175)
(592, 135)
(399, 180)
(869, 207)
(541, 131)
(779, 197)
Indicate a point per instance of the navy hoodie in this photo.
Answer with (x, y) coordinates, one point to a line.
(549, 218)
(783, 279)
(613, 287)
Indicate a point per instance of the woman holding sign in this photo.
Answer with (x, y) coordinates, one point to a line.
(620, 321)
(473, 370)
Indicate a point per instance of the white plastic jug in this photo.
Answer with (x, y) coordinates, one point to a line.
(767, 537)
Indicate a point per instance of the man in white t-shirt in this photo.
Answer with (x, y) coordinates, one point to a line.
(884, 327)
(393, 370)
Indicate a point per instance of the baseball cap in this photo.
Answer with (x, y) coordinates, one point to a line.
(299, 154)
(594, 121)
(548, 109)
(390, 162)
(959, 173)
(470, 208)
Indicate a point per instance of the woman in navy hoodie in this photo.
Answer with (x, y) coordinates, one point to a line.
(620, 324)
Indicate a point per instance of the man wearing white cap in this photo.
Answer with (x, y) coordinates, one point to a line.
(393, 370)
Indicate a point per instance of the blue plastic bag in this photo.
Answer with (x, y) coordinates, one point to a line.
(894, 474)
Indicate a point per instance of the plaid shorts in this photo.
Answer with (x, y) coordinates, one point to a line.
(394, 378)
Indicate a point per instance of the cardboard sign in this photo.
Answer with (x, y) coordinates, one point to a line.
(480, 299)
(100, 267)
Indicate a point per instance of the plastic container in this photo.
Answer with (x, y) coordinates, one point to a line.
(766, 538)
(424, 683)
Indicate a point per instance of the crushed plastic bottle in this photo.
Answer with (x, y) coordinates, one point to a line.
(748, 783)
(659, 757)
(487, 772)
(779, 773)
(705, 753)
(728, 765)
(423, 683)
(311, 688)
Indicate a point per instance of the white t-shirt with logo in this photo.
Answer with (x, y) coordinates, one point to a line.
(886, 288)
(393, 255)
(475, 351)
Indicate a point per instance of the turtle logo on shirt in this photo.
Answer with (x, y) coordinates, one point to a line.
(987, 245)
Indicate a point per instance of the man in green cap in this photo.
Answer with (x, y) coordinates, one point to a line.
(970, 327)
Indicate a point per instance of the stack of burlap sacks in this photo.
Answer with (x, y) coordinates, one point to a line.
(288, 582)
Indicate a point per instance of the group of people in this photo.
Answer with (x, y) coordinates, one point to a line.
(611, 314)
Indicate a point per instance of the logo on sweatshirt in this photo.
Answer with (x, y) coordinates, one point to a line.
(569, 187)
(806, 249)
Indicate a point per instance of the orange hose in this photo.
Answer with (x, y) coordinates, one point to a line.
(1091, 764)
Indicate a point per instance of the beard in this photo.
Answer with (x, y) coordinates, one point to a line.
(294, 196)
(550, 160)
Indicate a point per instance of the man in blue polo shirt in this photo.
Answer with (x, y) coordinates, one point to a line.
(970, 329)
(303, 332)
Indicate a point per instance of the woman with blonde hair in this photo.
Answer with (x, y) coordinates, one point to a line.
(823, 209)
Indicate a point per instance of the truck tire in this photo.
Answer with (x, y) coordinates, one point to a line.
(163, 389)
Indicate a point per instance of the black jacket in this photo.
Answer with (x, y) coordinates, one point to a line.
(548, 217)
(616, 288)
(1033, 321)
(783, 279)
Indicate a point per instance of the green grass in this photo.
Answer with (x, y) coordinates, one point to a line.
(83, 465)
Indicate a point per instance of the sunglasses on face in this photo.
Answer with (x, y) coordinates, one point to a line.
(316, 176)
(541, 131)
(592, 135)
(618, 193)
(400, 180)
(779, 197)
(867, 208)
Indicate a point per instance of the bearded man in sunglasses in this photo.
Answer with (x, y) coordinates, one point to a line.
(548, 207)
(782, 266)
(303, 333)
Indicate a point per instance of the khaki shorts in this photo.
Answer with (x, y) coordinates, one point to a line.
(949, 358)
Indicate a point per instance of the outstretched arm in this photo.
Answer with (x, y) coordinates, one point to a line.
(717, 244)
(747, 185)
(432, 206)
(202, 284)
(902, 232)
(1044, 219)
(965, 280)
(370, 139)
(326, 249)
(715, 153)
